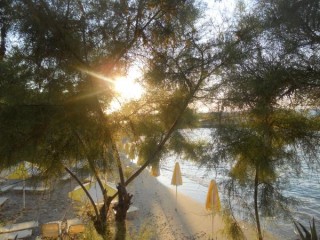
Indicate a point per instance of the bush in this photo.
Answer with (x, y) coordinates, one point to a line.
(306, 234)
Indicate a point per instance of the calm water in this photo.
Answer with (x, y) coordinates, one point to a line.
(306, 189)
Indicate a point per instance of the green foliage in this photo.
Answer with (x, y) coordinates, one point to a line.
(20, 172)
(185, 147)
(232, 228)
(267, 74)
(128, 171)
(306, 234)
(147, 148)
(61, 75)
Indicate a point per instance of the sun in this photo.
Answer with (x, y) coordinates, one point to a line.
(128, 88)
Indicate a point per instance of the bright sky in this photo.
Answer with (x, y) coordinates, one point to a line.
(127, 86)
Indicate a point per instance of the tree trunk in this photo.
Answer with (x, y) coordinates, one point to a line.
(256, 185)
(121, 231)
(3, 35)
(121, 208)
(123, 204)
(100, 219)
(101, 223)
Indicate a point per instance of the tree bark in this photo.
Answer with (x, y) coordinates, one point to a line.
(3, 35)
(121, 209)
(256, 185)
(121, 231)
(123, 204)
(100, 219)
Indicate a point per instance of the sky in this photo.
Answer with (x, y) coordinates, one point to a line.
(218, 12)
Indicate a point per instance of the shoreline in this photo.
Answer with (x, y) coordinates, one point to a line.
(190, 221)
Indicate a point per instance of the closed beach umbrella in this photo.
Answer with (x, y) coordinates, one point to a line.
(155, 171)
(213, 200)
(176, 178)
(22, 171)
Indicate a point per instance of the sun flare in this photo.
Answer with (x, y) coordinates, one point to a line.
(128, 88)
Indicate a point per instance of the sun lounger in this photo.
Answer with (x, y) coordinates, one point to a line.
(78, 187)
(6, 188)
(17, 234)
(33, 189)
(67, 176)
(19, 226)
(112, 185)
(51, 230)
(3, 200)
(132, 211)
(75, 226)
(99, 204)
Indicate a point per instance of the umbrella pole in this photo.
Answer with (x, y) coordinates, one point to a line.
(212, 223)
(176, 197)
(212, 213)
(24, 194)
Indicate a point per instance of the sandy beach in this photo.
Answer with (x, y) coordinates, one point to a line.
(161, 216)
(158, 204)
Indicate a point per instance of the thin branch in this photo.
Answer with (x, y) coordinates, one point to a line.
(84, 189)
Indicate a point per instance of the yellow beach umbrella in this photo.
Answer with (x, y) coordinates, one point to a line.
(213, 201)
(22, 171)
(176, 178)
(155, 171)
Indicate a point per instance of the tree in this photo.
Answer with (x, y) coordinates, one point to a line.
(298, 36)
(269, 73)
(56, 85)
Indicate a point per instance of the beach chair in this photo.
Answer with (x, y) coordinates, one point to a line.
(75, 228)
(19, 226)
(18, 230)
(3, 200)
(51, 230)
(21, 234)
(31, 189)
(132, 212)
(5, 188)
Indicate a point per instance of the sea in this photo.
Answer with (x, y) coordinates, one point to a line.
(305, 189)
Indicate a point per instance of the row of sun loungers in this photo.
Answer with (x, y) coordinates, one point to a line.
(51, 230)
(21, 234)
(34, 189)
(19, 226)
(3, 200)
(18, 230)
(20, 188)
(55, 230)
(6, 188)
